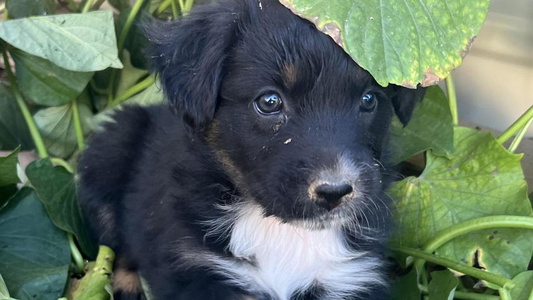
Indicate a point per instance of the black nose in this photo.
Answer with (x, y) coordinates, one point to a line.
(332, 194)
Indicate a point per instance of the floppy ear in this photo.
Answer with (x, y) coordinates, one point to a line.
(188, 55)
(404, 101)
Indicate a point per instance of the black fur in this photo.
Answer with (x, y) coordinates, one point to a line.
(153, 178)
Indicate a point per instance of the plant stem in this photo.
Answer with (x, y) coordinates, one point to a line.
(34, 131)
(87, 6)
(133, 90)
(452, 98)
(519, 136)
(164, 5)
(188, 6)
(477, 224)
(516, 126)
(462, 268)
(465, 295)
(504, 294)
(182, 5)
(174, 9)
(77, 124)
(63, 163)
(120, 45)
(76, 255)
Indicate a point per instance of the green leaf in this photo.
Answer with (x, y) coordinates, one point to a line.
(401, 42)
(431, 127)
(8, 168)
(45, 83)
(13, 128)
(34, 254)
(76, 42)
(57, 127)
(26, 8)
(120, 4)
(442, 285)
(4, 293)
(480, 179)
(523, 289)
(56, 189)
(136, 41)
(406, 287)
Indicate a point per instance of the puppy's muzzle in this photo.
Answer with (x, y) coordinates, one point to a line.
(330, 195)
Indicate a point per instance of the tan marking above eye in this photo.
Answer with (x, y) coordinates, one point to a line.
(289, 74)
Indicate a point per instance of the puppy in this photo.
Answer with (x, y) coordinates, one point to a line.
(263, 179)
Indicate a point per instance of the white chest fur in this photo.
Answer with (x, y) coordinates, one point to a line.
(285, 259)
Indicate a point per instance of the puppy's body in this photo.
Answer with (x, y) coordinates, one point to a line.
(265, 182)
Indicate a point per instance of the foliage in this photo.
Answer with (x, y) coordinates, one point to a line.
(465, 219)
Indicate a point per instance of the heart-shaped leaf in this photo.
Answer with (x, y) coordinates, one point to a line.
(56, 189)
(401, 42)
(442, 285)
(481, 178)
(34, 254)
(57, 127)
(45, 83)
(76, 42)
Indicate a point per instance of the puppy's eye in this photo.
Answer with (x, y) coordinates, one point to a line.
(269, 103)
(368, 102)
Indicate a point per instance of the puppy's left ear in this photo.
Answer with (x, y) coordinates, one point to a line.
(404, 101)
(189, 56)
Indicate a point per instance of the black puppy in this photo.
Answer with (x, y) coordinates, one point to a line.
(263, 180)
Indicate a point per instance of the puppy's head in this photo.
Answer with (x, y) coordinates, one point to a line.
(297, 124)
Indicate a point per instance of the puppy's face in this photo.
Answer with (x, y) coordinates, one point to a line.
(297, 124)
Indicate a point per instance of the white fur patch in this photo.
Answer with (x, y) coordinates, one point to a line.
(282, 259)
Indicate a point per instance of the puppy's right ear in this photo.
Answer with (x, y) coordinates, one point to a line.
(188, 55)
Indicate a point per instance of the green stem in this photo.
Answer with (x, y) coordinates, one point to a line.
(188, 6)
(87, 6)
(519, 136)
(77, 125)
(516, 126)
(504, 294)
(139, 87)
(129, 21)
(174, 9)
(182, 5)
(452, 98)
(63, 163)
(465, 295)
(161, 8)
(477, 224)
(120, 45)
(76, 255)
(34, 131)
(462, 268)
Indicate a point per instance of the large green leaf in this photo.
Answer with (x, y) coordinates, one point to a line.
(34, 254)
(13, 128)
(406, 287)
(76, 42)
(402, 42)
(57, 127)
(25, 8)
(45, 83)
(56, 189)
(431, 127)
(480, 179)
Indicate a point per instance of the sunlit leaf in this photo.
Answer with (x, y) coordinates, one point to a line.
(480, 179)
(401, 42)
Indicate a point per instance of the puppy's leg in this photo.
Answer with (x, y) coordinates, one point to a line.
(127, 284)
